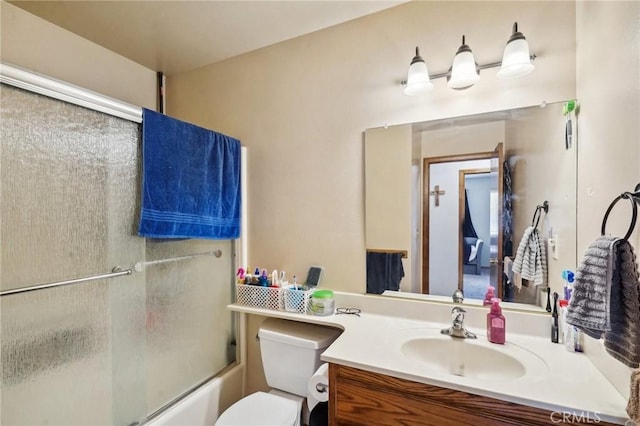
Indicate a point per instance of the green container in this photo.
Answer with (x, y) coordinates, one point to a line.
(322, 303)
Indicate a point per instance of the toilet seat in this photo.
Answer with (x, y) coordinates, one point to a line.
(260, 408)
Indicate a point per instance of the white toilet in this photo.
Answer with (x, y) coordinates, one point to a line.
(290, 355)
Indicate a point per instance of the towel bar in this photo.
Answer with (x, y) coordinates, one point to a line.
(544, 206)
(115, 272)
(634, 198)
(141, 265)
(404, 253)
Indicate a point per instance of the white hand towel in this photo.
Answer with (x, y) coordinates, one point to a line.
(633, 406)
(531, 260)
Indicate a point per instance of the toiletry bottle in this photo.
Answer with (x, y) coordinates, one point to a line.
(263, 279)
(496, 324)
(554, 320)
(562, 338)
(255, 278)
(248, 278)
(240, 275)
(283, 279)
(488, 296)
(569, 277)
(570, 338)
(579, 341)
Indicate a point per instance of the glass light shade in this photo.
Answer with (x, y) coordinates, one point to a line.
(516, 61)
(418, 81)
(464, 72)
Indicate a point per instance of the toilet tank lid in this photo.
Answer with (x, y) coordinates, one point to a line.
(297, 333)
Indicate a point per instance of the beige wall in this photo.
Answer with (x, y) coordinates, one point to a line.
(465, 139)
(608, 87)
(32, 43)
(388, 193)
(301, 107)
(549, 171)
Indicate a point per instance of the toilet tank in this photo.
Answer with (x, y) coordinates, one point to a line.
(291, 352)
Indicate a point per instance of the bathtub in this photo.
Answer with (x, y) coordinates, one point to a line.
(204, 405)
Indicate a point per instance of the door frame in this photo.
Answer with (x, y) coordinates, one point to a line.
(426, 203)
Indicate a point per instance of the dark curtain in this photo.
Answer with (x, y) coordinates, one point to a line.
(468, 229)
(507, 211)
(507, 229)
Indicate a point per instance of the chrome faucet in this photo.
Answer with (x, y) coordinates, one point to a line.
(457, 327)
(458, 296)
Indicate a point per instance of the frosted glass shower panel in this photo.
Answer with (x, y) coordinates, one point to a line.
(56, 163)
(56, 363)
(108, 351)
(189, 329)
(68, 192)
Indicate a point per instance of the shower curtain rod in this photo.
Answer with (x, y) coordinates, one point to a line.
(116, 272)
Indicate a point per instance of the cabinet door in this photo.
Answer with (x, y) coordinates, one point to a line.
(359, 397)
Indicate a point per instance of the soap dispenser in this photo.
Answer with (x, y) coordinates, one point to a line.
(489, 296)
(496, 324)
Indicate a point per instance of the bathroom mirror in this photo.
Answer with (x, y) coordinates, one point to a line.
(452, 199)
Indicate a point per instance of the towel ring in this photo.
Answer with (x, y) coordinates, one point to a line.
(628, 196)
(536, 220)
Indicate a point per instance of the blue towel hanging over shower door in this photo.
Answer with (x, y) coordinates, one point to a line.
(190, 181)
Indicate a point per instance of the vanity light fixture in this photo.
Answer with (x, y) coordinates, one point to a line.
(418, 77)
(465, 72)
(516, 61)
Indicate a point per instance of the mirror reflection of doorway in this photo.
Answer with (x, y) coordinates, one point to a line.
(476, 214)
(448, 264)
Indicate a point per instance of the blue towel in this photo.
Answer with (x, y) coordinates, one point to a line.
(384, 272)
(190, 181)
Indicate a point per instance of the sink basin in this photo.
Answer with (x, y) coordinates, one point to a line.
(475, 359)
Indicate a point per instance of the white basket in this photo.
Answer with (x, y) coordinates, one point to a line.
(259, 297)
(296, 300)
(273, 298)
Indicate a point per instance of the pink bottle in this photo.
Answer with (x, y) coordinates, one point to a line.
(496, 323)
(488, 296)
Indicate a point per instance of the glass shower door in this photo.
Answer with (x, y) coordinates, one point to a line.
(109, 351)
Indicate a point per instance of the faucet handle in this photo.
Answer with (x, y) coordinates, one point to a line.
(457, 314)
(457, 328)
(457, 310)
(458, 296)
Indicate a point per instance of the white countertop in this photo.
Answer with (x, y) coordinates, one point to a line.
(372, 342)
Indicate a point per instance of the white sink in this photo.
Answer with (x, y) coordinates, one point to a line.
(471, 358)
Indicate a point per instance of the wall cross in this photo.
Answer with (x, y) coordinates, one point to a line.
(437, 193)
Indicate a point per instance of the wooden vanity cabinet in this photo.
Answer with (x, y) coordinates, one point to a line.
(358, 397)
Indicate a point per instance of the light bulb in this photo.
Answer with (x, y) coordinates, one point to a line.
(418, 81)
(516, 61)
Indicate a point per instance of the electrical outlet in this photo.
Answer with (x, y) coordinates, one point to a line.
(553, 247)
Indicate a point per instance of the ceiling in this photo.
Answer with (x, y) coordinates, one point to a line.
(181, 35)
